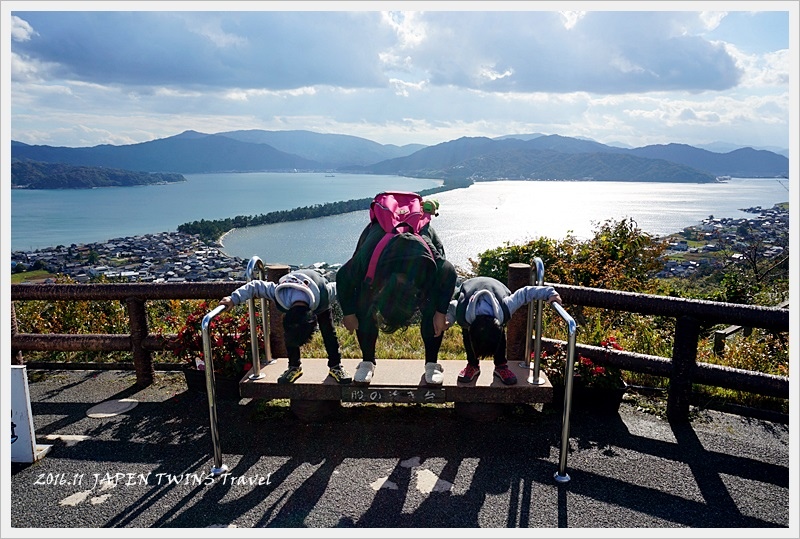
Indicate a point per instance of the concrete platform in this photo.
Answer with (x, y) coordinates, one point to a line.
(410, 469)
(397, 380)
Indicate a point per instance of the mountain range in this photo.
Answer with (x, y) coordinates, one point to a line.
(38, 175)
(466, 159)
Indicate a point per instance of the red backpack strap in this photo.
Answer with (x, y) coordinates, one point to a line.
(376, 254)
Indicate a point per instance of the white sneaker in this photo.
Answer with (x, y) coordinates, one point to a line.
(364, 372)
(433, 374)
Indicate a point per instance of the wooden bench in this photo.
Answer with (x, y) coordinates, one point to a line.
(315, 394)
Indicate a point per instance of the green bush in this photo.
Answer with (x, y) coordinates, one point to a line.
(620, 256)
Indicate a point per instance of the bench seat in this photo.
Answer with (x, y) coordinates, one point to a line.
(397, 380)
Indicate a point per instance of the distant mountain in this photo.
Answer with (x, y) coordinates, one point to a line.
(557, 143)
(441, 157)
(530, 136)
(742, 163)
(716, 147)
(187, 153)
(542, 158)
(511, 156)
(725, 147)
(330, 149)
(36, 175)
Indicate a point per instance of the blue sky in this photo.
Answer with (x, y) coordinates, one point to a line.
(647, 74)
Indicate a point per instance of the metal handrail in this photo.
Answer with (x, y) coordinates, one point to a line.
(561, 476)
(219, 467)
(537, 277)
(255, 269)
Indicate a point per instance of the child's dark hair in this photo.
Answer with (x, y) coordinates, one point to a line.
(397, 301)
(299, 323)
(484, 335)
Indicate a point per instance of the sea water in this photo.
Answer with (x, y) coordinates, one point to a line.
(51, 217)
(470, 221)
(487, 215)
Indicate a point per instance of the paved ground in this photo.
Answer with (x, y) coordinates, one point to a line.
(399, 467)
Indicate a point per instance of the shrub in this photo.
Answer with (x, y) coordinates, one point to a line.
(229, 334)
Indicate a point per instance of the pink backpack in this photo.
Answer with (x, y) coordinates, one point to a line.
(396, 212)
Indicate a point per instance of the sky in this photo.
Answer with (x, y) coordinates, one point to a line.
(83, 74)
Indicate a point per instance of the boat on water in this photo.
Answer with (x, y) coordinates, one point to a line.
(723, 179)
(329, 176)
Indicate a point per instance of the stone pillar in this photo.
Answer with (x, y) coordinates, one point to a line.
(519, 275)
(277, 343)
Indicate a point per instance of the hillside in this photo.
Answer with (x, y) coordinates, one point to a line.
(462, 160)
(333, 150)
(181, 153)
(36, 175)
(740, 163)
(479, 159)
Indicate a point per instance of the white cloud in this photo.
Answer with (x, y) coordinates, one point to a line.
(489, 73)
(219, 37)
(24, 70)
(397, 77)
(20, 29)
(711, 19)
(408, 26)
(762, 70)
(404, 88)
(571, 18)
(624, 65)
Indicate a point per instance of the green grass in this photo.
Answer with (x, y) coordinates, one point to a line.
(405, 343)
(33, 275)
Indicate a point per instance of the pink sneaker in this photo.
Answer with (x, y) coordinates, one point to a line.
(468, 374)
(505, 375)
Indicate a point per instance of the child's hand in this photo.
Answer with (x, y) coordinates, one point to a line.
(350, 322)
(227, 302)
(439, 323)
(555, 298)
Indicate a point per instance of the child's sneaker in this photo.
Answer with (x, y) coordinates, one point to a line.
(505, 375)
(290, 375)
(338, 373)
(468, 374)
(364, 372)
(434, 374)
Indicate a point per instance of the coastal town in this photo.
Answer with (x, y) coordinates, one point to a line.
(171, 257)
(161, 257)
(180, 257)
(699, 248)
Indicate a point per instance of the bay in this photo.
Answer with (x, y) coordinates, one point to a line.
(51, 217)
(471, 220)
(489, 214)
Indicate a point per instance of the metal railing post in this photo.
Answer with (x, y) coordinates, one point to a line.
(219, 467)
(537, 278)
(562, 476)
(255, 269)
